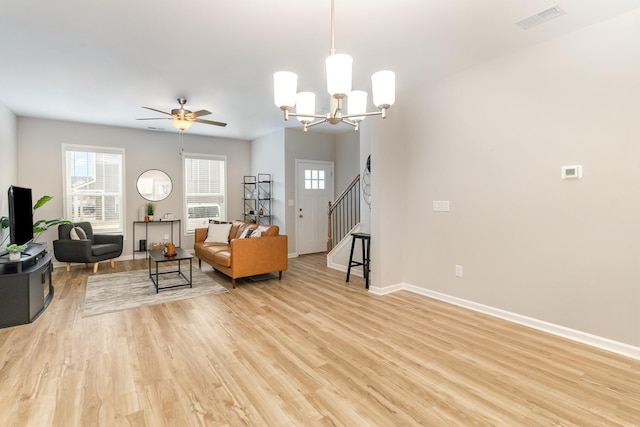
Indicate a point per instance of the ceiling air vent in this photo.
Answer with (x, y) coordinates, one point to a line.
(540, 17)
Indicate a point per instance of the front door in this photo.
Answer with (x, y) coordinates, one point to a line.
(314, 190)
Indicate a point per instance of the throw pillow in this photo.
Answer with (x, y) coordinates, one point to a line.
(218, 233)
(248, 232)
(77, 233)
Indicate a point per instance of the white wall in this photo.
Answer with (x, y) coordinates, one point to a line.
(40, 167)
(347, 165)
(389, 222)
(8, 169)
(492, 140)
(267, 156)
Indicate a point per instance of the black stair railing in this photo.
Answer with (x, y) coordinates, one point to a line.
(344, 213)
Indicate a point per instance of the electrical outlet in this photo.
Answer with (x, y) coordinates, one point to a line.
(441, 206)
(166, 237)
(458, 270)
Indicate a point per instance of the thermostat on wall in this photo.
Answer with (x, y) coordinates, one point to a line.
(572, 172)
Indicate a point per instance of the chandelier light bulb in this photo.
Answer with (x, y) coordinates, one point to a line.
(339, 74)
(285, 85)
(384, 88)
(306, 102)
(357, 104)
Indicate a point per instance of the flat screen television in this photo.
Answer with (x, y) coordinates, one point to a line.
(20, 215)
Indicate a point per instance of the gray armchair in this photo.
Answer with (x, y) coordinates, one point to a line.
(90, 248)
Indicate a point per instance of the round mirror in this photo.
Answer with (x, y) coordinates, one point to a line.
(154, 185)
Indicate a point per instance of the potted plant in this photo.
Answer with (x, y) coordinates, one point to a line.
(15, 251)
(169, 249)
(151, 208)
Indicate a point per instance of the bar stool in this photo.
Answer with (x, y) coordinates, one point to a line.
(365, 238)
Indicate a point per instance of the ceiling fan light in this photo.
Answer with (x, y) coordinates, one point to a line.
(181, 124)
(384, 88)
(306, 102)
(357, 104)
(285, 85)
(339, 74)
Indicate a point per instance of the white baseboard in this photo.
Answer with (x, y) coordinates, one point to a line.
(355, 271)
(561, 331)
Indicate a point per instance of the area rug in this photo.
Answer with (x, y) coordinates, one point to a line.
(107, 293)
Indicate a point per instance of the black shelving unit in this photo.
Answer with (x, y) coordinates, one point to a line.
(257, 198)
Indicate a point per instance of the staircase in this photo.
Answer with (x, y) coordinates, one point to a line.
(344, 213)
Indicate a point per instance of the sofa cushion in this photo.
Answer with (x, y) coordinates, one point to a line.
(218, 233)
(211, 248)
(237, 227)
(105, 248)
(267, 230)
(223, 258)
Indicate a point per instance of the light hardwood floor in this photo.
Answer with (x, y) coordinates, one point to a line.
(309, 350)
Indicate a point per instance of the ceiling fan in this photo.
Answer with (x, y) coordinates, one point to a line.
(181, 118)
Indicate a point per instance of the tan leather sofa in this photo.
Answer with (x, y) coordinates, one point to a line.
(243, 257)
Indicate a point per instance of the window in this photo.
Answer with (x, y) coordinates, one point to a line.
(204, 211)
(314, 179)
(205, 190)
(93, 189)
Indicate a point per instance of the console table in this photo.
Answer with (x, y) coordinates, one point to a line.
(146, 224)
(25, 286)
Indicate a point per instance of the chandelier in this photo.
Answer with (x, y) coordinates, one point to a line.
(339, 88)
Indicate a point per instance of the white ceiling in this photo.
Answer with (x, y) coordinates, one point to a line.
(99, 62)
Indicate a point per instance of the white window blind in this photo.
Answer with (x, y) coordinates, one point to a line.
(93, 189)
(205, 190)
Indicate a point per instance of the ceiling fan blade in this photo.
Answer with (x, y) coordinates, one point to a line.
(209, 122)
(156, 118)
(153, 109)
(200, 113)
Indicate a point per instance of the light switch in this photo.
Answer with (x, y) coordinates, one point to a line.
(291, 203)
(441, 206)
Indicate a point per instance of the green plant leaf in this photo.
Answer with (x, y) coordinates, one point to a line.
(43, 224)
(15, 249)
(41, 201)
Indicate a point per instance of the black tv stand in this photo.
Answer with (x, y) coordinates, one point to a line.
(35, 249)
(25, 286)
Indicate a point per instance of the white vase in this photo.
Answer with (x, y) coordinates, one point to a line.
(14, 256)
